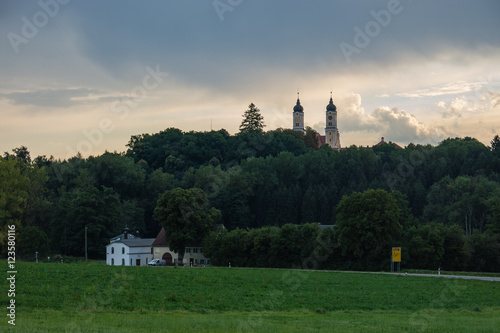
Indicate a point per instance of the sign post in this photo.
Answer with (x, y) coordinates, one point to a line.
(396, 257)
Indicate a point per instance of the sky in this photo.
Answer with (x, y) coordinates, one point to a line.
(84, 76)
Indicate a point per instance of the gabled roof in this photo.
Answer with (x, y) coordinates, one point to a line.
(122, 236)
(383, 142)
(321, 139)
(160, 240)
(136, 242)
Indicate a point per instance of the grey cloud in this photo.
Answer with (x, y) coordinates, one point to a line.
(447, 89)
(494, 98)
(55, 98)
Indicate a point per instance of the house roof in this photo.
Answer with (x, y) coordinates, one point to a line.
(382, 142)
(321, 139)
(122, 236)
(161, 240)
(136, 242)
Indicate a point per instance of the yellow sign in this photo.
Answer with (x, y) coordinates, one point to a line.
(396, 254)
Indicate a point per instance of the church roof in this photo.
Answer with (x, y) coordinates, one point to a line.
(321, 139)
(298, 107)
(331, 106)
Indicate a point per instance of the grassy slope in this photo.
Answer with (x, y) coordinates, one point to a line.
(195, 299)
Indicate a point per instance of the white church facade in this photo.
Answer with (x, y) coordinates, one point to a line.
(332, 135)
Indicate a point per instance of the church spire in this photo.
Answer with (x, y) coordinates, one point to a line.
(332, 137)
(298, 115)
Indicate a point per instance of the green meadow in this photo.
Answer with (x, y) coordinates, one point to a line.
(93, 297)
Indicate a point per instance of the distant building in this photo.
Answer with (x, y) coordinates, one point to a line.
(298, 116)
(193, 254)
(332, 135)
(129, 251)
(382, 142)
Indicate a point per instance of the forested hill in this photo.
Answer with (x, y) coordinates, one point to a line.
(255, 179)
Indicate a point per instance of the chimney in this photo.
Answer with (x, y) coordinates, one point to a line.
(125, 233)
(382, 139)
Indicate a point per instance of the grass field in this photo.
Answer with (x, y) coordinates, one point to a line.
(94, 298)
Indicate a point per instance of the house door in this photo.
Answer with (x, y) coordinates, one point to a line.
(138, 262)
(167, 257)
(191, 262)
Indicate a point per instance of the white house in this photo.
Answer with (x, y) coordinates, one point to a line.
(124, 251)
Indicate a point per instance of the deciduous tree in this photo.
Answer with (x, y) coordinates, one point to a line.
(186, 217)
(367, 226)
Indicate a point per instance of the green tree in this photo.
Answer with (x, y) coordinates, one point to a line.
(455, 255)
(424, 246)
(311, 139)
(466, 201)
(252, 120)
(86, 205)
(367, 226)
(32, 240)
(495, 143)
(22, 193)
(21, 153)
(186, 217)
(484, 252)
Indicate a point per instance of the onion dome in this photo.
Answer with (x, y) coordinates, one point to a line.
(331, 106)
(298, 107)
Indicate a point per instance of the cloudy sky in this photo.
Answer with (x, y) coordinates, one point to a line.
(86, 75)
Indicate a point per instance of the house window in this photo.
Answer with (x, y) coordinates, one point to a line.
(123, 250)
(208, 261)
(195, 250)
(112, 261)
(296, 124)
(151, 250)
(197, 261)
(188, 250)
(112, 250)
(176, 261)
(330, 123)
(123, 262)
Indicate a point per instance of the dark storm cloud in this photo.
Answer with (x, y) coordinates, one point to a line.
(189, 39)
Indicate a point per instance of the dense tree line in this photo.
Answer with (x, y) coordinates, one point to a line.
(257, 180)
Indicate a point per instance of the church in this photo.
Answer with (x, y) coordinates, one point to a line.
(332, 135)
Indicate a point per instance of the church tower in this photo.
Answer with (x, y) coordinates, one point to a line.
(332, 136)
(298, 116)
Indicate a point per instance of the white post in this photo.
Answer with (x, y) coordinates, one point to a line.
(86, 256)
